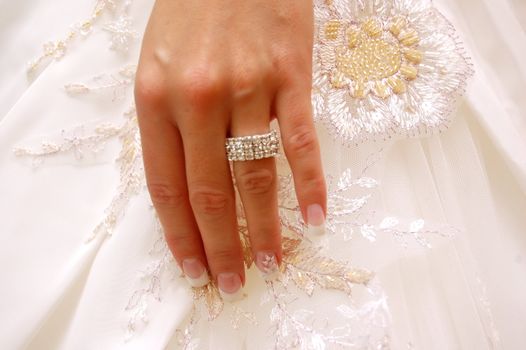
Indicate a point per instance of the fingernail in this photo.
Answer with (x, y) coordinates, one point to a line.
(230, 286)
(195, 272)
(267, 264)
(178, 271)
(315, 220)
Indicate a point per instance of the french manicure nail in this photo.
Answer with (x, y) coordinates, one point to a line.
(315, 220)
(267, 264)
(195, 272)
(230, 286)
(178, 270)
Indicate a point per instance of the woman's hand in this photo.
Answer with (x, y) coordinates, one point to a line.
(212, 69)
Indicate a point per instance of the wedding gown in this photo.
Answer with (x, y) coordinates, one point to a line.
(426, 231)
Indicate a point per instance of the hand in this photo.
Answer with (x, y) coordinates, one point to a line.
(212, 69)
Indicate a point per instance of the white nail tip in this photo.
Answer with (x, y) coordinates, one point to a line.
(231, 297)
(178, 271)
(201, 281)
(316, 231)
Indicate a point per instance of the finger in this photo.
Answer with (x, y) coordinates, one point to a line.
(212, 196)
(294, 111)
(257, 184)
(166, 180)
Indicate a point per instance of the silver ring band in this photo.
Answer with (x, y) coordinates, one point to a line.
(252, 147)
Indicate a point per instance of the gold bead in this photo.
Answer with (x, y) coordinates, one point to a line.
(372, 28)
(371, 59)
(337, 79)
(414, 56)
(340, 50)
(359, 90)
(397, 85)
(332, 29)
(398, 24)
(381, 90)
(353, 37)
(409, 37)
(409, 72)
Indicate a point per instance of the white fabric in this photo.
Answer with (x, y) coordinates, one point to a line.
(58, 291)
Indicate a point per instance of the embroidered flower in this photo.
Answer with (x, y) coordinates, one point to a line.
(385, 67)
(122, 33)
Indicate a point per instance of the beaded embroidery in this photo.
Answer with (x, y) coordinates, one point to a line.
(121, 33)
(384, 68)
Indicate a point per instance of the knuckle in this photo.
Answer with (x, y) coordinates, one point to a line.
(314, 183)
(292, 67)
(209, 202)
(303, 141)
(284, 56)
(224, 256)
(200, 85)
(257, 181)
(283, 64)
(183, 244)
(267, 233)
(165, 195)
(149, 88)
(248, 78)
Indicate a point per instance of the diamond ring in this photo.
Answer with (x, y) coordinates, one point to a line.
(252, 147)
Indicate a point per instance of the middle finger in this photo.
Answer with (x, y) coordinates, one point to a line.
(212, 196)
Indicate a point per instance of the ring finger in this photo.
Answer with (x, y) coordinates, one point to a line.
(257, 183)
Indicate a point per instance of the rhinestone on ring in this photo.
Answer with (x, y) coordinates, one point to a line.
(252, 147)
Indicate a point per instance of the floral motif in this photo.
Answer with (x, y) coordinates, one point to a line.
(120, 30)
(385, 67)
(122, 33)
